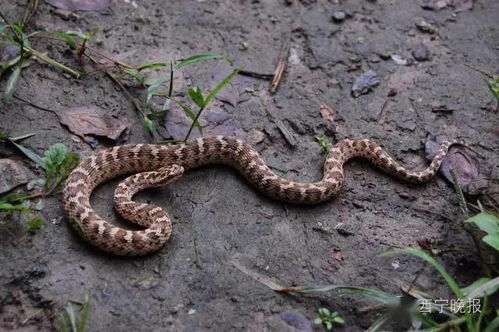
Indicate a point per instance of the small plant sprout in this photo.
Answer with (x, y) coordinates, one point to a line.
(323, 143)
(71, 321)
(328, 318)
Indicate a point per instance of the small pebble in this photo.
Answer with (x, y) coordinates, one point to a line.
(339, 16)
(365, 83)
(426, 27)
(421, 53)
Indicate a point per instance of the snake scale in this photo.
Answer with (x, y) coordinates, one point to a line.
(155, 165)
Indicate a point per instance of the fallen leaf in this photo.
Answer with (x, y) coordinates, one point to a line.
(466, 164)
(487, 191)
(91, 120)
(84, 5)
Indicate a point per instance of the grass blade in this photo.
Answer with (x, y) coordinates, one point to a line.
(379, 323)
(191, 115)
(12, 81)
(220, 86)
(423, 255)
(373, 294)
(198, 58)
(28, 153)
(493, 326)
(482, 290)
(85, 306)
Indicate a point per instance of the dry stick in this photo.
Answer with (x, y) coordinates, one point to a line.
(41, 108)
(281, 66)
(115, 80)
(100, 53)
(263, 76)
(28, 13)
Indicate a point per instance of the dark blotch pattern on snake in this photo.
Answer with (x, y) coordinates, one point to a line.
(155, 165)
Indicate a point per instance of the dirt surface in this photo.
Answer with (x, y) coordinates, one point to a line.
(220, 221)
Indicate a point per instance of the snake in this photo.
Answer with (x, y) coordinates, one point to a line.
(152, 165)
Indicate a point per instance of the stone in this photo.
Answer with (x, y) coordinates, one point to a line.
(421, 53)
(13, 173)
(365, 83)
(339, 16)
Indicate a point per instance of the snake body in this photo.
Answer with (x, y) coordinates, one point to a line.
(155, 165)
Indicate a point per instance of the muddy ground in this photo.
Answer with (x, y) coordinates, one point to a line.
(220, 222)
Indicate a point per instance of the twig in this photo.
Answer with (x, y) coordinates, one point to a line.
(193, 122)
(115, 80)
(51, 61)
(88, 48)
(31, 316)
(281, 66)
(29, 11)
(263, 76)
(478, 70)
(34, 105)
(4, 18)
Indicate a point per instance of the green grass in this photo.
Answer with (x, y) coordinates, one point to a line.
(19, 36)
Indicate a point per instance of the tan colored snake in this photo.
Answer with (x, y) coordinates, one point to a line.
(155, 165)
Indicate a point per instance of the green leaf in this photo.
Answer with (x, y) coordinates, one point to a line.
(220, 86)
(191, 115)
(28, 153)
(12, 82)
(494, 87)
(148, 124)
(487, 222)
(494, 325)
(200, 57)
(329, 325)
(379, 323)
(318, 320)
(373, 294)
(423, 255)
(479, 283)
(197, 96)
(85, 306)
(15, 197)
(484, 289)
(54, 157)
(10, 207)
(3, 27)
(492, 240)
(153, 87)
(157, 115)
(152, 65)
(68, 38)
(339, 320)
(71, 160)
(136, 75)
(84, 35)
(325, 311)
(35, 224)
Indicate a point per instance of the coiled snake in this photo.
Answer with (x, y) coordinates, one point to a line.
(155, 165)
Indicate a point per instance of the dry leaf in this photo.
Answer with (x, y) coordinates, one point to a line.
(462, 160)
(84, 5)
(487, 191)
(327, 114)
(91, 120)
